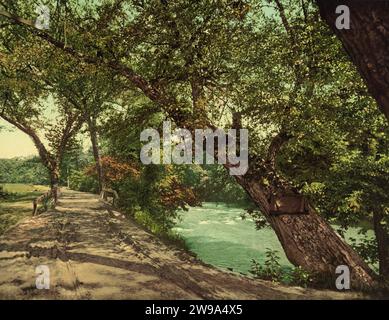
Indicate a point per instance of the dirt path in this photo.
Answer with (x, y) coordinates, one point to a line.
(95, 253)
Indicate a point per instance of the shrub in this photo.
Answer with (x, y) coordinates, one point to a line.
(271, 270)
(82, 182)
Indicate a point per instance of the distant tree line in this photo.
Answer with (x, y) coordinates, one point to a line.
(23, 170)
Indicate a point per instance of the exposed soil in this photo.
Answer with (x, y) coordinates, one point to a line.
(94, 252)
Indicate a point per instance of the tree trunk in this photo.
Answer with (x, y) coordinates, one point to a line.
(307, 239)
(366, 42)
(47, 159)
(96, 151)
(54, 183)
(382, 237)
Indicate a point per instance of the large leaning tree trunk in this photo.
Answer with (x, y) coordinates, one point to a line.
(366, 42)
(308, 240)
(92, 127)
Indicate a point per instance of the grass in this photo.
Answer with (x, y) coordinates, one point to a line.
(167, 236)
(24, 188)
(18, 203)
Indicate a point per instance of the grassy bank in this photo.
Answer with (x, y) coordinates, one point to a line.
(18, 203)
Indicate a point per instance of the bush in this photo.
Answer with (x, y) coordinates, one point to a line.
(81, 182)
(271, 270)
(155, 227)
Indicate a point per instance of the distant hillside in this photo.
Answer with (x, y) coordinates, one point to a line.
(23, 170)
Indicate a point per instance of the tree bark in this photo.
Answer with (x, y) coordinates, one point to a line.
(307, 239)
(382, 237)
(54, 184)
(278, 141)
(366, 42)
(96, 151)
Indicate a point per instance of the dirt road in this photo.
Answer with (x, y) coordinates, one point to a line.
(95, 253)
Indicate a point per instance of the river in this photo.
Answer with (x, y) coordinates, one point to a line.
(219, 236)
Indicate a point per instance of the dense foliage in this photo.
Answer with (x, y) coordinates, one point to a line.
(19, 170)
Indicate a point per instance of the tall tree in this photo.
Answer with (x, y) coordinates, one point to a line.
(59, 135)
(21, 106)
(91, 92)
(365, 41)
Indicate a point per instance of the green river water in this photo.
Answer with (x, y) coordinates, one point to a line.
(218, 235)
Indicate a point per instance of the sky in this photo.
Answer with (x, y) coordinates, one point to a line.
(14, 143)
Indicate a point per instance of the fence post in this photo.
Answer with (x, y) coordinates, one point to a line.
(34, 207)
(104, 195)
(44, 197)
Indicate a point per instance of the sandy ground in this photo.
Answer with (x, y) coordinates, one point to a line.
(93, 252)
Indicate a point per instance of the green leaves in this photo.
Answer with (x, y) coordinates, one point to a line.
(271, 270)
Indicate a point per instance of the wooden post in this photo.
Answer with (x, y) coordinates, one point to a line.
(104, 195)
(34, 207)
(46, 196)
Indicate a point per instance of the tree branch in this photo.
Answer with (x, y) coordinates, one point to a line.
(285, 22)
(43, 152)
(275, 146)
(150, 91)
